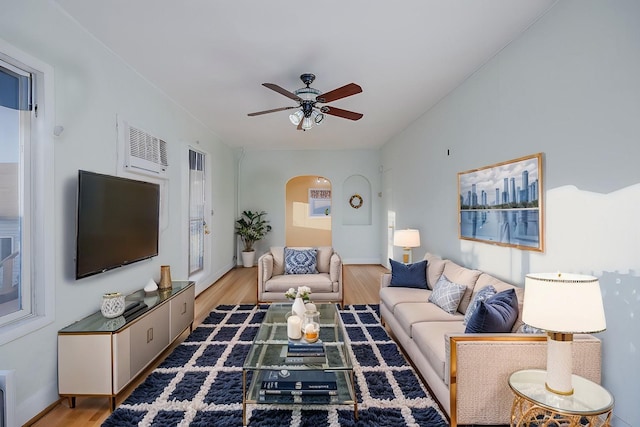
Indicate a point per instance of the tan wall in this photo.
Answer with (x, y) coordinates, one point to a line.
(301, 228)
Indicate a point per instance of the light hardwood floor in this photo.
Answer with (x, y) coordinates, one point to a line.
(238, 286)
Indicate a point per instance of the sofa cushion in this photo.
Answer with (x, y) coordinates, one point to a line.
(495, 315)
(335, 267)
(435, 267)
(409, 275)
(319, 282)
(486, 279)
(300, 261)
(447, 294)
(278, 259)
(324, 258)
(391, 297)
(463, 276)
(482, 295)
(410, 313)
(267, 266)
(428, 337)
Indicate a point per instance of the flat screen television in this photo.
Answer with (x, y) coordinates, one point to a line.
(117, 222)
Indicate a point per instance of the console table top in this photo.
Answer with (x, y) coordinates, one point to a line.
(140, 303)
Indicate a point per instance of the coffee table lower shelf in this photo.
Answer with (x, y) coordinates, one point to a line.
(343, 395)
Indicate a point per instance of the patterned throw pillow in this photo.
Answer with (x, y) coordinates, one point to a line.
(409, 275)
(447, 295)
(528, 329)
(482, 295)
(300, 261)
(495, 315)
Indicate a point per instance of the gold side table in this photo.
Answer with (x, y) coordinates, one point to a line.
(534, 405)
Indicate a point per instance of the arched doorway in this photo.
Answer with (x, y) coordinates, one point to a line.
(308, 211)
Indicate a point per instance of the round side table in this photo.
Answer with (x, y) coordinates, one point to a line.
(534, 405)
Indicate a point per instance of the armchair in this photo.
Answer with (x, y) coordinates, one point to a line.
(326, 284)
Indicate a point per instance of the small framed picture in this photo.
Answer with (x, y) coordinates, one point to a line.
(319, 202)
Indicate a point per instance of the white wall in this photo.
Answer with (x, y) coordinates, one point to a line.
(264, 174)
(92, 86)
(569, 87)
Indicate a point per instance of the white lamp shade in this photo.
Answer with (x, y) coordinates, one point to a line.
(561, 302)
(408, 238)
(296, 117)
(307, 123)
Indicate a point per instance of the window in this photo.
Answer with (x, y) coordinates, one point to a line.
(197, 222)
(26, 194)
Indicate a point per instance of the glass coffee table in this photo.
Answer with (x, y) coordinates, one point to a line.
(267, 359)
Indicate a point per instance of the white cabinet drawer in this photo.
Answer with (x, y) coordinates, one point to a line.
(149, 336)
(182, 307)
(84, 364)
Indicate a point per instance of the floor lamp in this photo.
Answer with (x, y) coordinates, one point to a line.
(563, 305)
(408, 239)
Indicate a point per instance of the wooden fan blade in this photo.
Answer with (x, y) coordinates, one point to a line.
(345, 114)
(282, 91)
(341, 92)
(300, 126)
(269, 111)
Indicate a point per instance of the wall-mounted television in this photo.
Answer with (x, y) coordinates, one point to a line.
(117, 222)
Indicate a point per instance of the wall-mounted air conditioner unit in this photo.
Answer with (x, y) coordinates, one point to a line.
(142, 152)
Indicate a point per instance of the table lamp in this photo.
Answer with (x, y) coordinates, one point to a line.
(562, 304)
(408, 239)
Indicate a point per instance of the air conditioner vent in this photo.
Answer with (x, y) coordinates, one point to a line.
(144, 153)
(147, 147)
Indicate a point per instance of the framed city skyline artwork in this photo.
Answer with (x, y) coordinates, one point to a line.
(502, 204)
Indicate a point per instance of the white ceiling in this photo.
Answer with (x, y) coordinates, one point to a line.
(212, 56)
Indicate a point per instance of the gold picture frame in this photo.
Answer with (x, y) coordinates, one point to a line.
(502, 204)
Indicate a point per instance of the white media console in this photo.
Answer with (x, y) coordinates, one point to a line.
(98, 356)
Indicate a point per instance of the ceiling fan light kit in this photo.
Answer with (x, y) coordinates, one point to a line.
(296, 117)
(308, 113)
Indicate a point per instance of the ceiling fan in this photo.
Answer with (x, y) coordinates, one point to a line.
(307, 97)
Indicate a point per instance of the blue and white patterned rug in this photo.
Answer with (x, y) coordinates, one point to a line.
(200, 383)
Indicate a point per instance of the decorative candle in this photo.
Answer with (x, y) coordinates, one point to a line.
(310, 332)
(112, 305)
(294, 330)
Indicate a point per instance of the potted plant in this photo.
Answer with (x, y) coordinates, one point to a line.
(251, 227)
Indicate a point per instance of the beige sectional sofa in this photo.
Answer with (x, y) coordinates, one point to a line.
(468, 373)
(325, 285)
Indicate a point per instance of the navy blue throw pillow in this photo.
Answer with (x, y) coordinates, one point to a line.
(409, 275)
(497, 314)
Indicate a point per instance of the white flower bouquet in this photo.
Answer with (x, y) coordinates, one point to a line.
(303, 292)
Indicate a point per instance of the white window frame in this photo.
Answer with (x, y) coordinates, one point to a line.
(37, 251)
(203, 274)
(204, 225)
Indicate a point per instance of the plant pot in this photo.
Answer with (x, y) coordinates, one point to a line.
(248, 258)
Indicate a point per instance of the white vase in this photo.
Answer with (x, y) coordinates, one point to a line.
(248, 258)
(298, 308)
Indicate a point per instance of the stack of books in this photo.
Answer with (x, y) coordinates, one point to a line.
(301, 352)
(297, 385)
